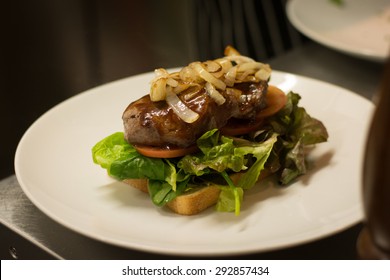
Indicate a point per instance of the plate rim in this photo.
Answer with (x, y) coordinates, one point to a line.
(314, 35)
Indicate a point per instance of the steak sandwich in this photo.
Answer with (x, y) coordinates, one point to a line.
(205, 134)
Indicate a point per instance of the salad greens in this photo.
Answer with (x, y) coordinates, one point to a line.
(279, 147)
(337, 2)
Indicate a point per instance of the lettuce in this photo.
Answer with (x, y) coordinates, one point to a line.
(221, 155)
(230, 199)
(122, 161)
(261, 151)
(111, 148)
(217, 153)
(296, 130)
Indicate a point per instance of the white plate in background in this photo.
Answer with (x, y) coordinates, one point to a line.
(357, 27)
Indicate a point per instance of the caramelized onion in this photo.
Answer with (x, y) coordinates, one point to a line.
(158, 90)
(207, 76)
(230, 77)
(212, 66)
(229, 50)
(172, 82)
(212, 75)
(214, 94)
(180, 108)
(225, 63)
(263, 74)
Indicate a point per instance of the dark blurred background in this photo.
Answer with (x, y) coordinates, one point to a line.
(52, 49)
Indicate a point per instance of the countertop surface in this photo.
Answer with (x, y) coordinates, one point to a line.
(27, 233)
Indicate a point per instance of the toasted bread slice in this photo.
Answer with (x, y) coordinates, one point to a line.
(188, 204)
(193, 202)
(141, 184)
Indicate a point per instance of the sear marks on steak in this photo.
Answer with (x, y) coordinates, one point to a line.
(156, 124)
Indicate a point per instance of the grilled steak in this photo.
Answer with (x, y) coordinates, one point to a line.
(156, 124)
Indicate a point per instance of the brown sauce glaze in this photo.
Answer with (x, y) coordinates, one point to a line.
(156, 124)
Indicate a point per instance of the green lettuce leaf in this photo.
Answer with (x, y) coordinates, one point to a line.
(111, 148)
(261, 151)
(297, 130)
(230, 200)
(161, 192)
(217, 153)
(221, 155)
(122, 161)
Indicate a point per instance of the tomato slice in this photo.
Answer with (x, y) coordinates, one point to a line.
(165, 152)
(276, 99)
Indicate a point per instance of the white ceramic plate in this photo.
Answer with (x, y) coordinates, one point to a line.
(358, 27)
(54, 167)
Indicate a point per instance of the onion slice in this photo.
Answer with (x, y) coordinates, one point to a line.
(207, 76)
(172, 82)
(158, 89)
(240, 59)
(230, 76)
(215, 94)
(215, 76)
(263, 74)
(229, 50)
(212, 66)
(180, 108)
